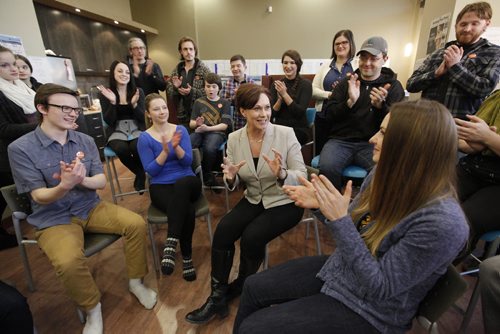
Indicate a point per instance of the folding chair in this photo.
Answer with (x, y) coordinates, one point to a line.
(20, 206)
(439, 299)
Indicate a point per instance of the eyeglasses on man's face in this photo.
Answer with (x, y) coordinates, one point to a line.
(67, 109)
(137, 48)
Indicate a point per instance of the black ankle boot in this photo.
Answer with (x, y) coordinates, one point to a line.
(247, 267)
(216, 303)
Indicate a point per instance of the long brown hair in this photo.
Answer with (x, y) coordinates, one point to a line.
(416, 165)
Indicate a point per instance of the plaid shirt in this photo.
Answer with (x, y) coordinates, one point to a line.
(466, 84)
(228, 92)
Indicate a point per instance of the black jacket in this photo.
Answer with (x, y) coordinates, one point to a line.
(362, 121)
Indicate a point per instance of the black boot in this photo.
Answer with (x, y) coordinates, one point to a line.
(216, 303)
(247, 268)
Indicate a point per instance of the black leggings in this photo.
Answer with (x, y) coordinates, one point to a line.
(255, 226)
(128, 155)
(177, 201)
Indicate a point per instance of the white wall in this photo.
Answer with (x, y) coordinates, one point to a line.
(18, 18)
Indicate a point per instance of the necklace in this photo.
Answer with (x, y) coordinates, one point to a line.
(256, 140)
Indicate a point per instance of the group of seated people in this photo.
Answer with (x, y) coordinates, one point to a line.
(394, 240)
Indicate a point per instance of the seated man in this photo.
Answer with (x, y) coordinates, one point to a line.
(61, 171)
(230, 87)
(210, 119)
(356, 109)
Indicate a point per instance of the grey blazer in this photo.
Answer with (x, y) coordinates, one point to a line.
(261, 183)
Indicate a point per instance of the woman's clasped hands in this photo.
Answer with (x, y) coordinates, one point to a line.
(320, 193)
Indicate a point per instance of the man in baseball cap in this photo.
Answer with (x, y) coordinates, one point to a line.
(356, 109)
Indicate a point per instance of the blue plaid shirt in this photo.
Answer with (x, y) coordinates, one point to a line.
(228, 92)
(466, 84)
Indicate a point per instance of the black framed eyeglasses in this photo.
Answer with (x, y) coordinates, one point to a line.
(67, 109)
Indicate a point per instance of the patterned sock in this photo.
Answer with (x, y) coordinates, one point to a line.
(188, 271)
(168, 260)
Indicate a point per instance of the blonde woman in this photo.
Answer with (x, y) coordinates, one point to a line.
(393, 241)
(166, 154)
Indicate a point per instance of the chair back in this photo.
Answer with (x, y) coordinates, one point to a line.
(310, 115)
(445, 292)
(16, 202)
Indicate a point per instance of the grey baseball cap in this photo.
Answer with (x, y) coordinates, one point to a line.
(374, 45)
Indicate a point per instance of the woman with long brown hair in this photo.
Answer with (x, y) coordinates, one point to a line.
(393, 241)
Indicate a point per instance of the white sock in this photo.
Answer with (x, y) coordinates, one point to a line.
(94, 321)
(146, 296)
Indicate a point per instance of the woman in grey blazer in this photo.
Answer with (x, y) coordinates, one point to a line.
(265, 157)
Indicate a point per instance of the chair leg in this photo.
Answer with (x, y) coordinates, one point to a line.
(209, 225)
(81, 315)
(316, 234)
(470, 308)
(110, 178)
(156, 261)
(265, 265)
(22, 251)
(116, 176)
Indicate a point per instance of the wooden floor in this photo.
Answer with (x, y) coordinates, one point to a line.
(53, 312)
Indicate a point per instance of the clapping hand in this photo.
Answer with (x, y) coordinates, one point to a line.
(177, 81)
(185, 91)
(332, 203)
(149, 67)
(353, 85)
(176, 139)
(135, 99)
(303, 195)
(71, 174)
(230, 170)
(107, 93)
(274, 164)
(452, 55)
(378, 95)
(280, 87)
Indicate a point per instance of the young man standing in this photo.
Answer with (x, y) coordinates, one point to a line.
(187, 79)
(147, 73)
(466, 70)
(356, 109)
(61, 170)
(210, 120)
(230, 87)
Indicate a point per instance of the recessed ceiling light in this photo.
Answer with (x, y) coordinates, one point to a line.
(77, 10)
(116, 22)
(143, 31)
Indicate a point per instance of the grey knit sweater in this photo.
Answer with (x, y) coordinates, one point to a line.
(387, 289)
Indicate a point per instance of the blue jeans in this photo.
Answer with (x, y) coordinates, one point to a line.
(338, 154)
(209, 142)
(298, 306)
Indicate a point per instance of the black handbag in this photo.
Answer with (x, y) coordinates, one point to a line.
(484, 167)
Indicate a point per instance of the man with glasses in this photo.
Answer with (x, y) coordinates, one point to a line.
(356, 109)
(148, 74)
(61, 170)
(466, 70)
